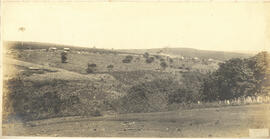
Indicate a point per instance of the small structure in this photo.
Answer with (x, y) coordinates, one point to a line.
(195, 58)
(34, 68)
(210, 59)
(67, 49)
(52, 48)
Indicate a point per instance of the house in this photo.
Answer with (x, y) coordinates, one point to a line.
(66, 49)
(52, 48)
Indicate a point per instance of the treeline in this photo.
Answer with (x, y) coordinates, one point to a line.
(238, 78)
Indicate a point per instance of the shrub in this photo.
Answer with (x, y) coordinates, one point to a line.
(182, 95)
(110, 67)
(157, 56)
(127, 59)
(91, 68)
(161, 59)
(146, 55)
(163, 65)
(170, 60)
(64, 57)
(96, 113)
(150, 60)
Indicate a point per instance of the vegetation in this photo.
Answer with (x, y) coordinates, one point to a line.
(110, 67)
(127, 59)
(64, 57)
(146, 55)
(238, 77)
(91, 68)
(150, 59)
(136, 87)
(163, 64)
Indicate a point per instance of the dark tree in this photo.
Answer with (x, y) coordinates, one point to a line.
(64, 57)
(150, 59)
(164, 65)
(91, 68)
(239, 77)
(127, 59)
(110, 67)
(146, 55)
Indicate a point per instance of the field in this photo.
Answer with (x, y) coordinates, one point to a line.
(231, 121)
(45, 97)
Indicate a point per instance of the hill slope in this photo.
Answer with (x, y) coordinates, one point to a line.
(191, 53)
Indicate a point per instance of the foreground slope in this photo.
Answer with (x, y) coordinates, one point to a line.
(231, 121)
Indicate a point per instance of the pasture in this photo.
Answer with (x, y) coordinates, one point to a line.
(229, 121)
(124, 96)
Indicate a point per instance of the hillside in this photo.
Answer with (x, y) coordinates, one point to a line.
(79, 57)
(128, 81)
(191, 53)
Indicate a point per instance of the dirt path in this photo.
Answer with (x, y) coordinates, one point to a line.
(231, 121)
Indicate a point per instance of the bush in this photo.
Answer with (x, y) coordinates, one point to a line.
(162, 60)
(64, 57)
(182, 95)
(150, 60)
(148, 96)
(127, 59)
(157, 56)
(29, 107)
(146, 55)
(110, 67)
(163, 65)
(91, 68)
(170, 60)
(96, 113)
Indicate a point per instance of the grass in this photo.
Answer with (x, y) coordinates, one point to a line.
(232, 121)
(56, 90)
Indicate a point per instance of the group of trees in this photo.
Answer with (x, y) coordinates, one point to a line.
(238, 77)
(234, 78)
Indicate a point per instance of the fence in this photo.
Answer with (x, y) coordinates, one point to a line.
(245, 100)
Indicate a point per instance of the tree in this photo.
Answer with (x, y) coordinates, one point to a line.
(110, 67)
(260, 63)
(239, 77)
(127, 59)
(164, 65)
(146, 55)
(91, 68)
(150, 59)
(64, 57)
(170, 60)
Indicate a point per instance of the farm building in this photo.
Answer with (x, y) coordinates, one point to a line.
(52, 48)
(66, 49)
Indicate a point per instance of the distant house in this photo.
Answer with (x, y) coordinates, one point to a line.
(195, 58)
(66, 49)
(34, 68)
(52, 48)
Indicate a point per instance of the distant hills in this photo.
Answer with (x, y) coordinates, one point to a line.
(191, 53)
(172, 52)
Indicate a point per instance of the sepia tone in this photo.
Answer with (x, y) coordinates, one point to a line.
(81, 69)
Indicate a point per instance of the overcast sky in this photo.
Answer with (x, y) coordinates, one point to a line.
(208, 26)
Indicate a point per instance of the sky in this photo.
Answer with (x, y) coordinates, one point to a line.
(119, 25)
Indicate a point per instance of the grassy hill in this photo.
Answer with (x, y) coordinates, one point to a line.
(35, 77)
